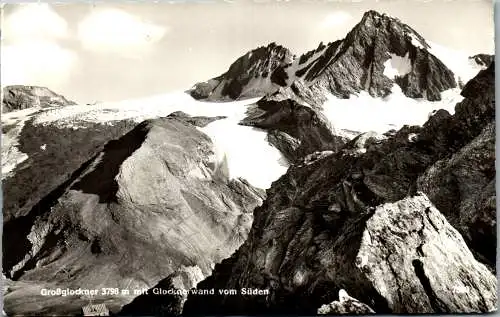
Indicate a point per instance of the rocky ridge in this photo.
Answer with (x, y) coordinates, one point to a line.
(483, 59)
(360, 220)
(247, 77)
(360, 62)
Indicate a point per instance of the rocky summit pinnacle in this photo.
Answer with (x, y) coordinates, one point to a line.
(405, 226)
(377, 54)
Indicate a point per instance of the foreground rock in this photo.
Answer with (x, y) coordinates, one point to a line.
(151, 202)
(345, 305)
(402, 257)
(167, 297)
(20, 97)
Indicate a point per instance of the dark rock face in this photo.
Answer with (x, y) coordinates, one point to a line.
(355, 220)
(285, 143)
(197, 121)
(463, 188)
(483, 59)
(249, 76)
(481, 83)
(392, 258)
(300, 130)
(21, 97)
(150, 202)
(300, 92)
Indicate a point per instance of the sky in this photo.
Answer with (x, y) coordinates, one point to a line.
(111, 51)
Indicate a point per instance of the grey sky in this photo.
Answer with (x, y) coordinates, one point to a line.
(118, 51)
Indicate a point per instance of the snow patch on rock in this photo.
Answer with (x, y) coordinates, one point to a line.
(397, 66)
(313, 157)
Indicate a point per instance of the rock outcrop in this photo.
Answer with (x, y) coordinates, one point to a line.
(167, 297)
(152, 201)
(346, 305)
(483, 59)
(196, 120)
(20, 97)
(401, 257)
(294, 129)
(362, 221)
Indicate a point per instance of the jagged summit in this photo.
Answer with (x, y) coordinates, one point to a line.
(373, 23)
(482, 59)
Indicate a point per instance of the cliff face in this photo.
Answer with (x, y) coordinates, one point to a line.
(152, 201)
(380, 56)
(361, 220)
(294, 129)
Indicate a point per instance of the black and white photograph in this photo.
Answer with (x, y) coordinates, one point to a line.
(248, 157)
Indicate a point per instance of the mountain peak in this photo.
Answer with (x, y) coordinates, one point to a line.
(266, 52)
(377, 53)
(375, 24)
(249, 76)
(375, 18)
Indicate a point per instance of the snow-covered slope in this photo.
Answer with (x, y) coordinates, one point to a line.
(364, 113)
(248, 153)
